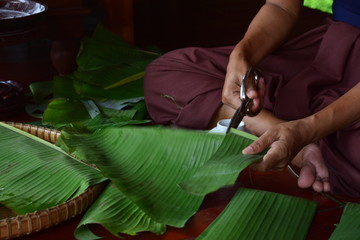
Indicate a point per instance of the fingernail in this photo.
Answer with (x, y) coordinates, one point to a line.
(248, 150)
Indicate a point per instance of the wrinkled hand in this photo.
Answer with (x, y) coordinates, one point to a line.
(285, 141)
(231, 91)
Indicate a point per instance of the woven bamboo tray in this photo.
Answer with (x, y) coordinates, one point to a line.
(17, 226)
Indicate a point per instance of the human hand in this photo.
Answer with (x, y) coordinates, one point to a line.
(285, 141)
(236, 70)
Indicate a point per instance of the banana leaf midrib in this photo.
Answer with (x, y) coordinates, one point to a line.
(48, 144)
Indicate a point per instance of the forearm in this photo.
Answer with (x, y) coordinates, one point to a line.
(260, 123)
(338, 115)
(268, 30)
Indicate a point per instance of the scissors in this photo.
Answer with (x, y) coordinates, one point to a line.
(246, 102)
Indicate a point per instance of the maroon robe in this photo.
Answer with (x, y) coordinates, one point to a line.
(183, 88)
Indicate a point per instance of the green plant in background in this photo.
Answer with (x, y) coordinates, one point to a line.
(322, 5)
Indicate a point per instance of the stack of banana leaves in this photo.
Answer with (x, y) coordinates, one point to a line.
(106, 88)
(158, 176)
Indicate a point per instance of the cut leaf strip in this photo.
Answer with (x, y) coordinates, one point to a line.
(254, 214)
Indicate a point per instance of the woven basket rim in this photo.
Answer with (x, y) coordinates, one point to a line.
(27, 224)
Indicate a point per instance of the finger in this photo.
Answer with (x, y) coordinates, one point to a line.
(318, 185)
(275, 159)
(307, 176)
(262, 86)
(231, 92)
(251, 82)
(326, 186)
(257, 146)
(231, 98)
(258, 91)
(322, 180)
(258, 96)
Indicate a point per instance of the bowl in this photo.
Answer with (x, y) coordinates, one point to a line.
(222, 126)
(19, 14)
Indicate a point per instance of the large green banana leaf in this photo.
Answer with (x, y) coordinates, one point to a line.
(148, 164)
(37, 175)
(224, 166)
(257, 215)
(118, 214)
(105, 60)
(349, 226)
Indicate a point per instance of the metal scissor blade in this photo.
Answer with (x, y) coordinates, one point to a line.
(235, 120)
(238, 115)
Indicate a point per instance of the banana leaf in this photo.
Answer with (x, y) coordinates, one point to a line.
(349, 226)
(99, 122)
(64, 88)
(72, 88)
(107, 61)
(106, 49)
(61, 112)
(224, 166)
(254, 214)
(36, 175)
(41, 90)
(147, 164)
(149, 177)
(130, 90)
(113, 76)
(113, 205)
